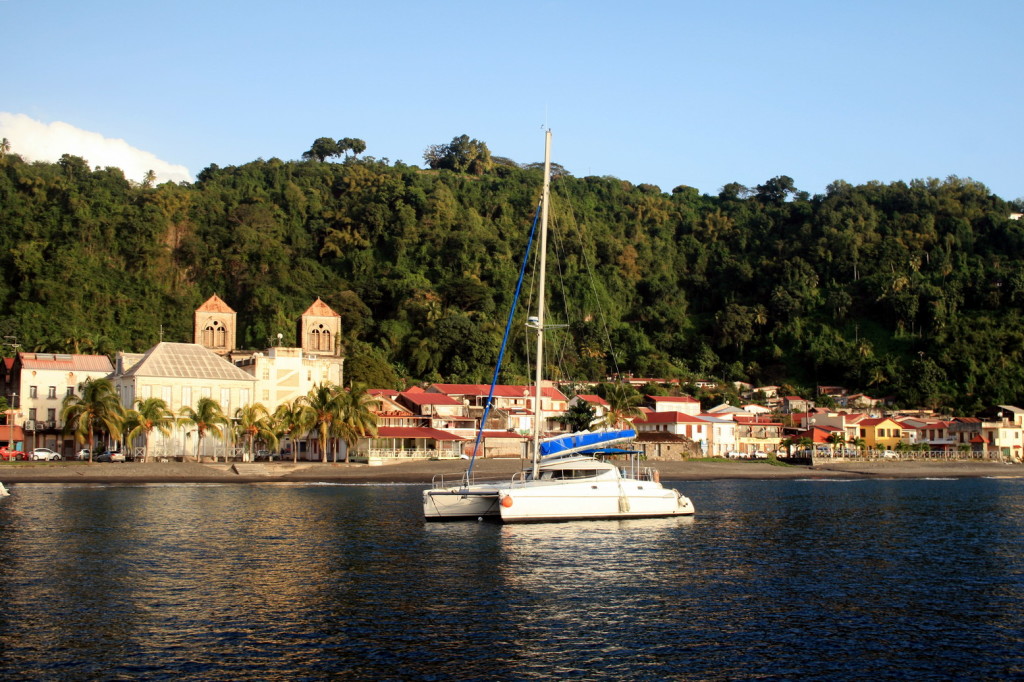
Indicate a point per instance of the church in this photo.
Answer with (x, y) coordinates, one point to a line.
(212, 366)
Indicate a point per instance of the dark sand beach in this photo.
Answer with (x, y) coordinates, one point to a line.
(423, 472)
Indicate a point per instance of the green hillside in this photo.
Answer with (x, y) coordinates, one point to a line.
(906, 290)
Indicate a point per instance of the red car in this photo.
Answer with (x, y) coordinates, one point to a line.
(8, 455)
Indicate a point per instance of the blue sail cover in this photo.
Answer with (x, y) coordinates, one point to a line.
(584, 440)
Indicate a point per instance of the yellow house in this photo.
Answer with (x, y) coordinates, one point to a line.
(881, 433)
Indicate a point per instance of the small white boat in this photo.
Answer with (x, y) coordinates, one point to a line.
(568, 479)
(3, 490)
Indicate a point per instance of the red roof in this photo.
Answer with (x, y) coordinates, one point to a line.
(320, 309)
(671, 399)
(66, 362)
(214, 304)
(500, 391)
(423, 398)
(415, 432)
(593, 398)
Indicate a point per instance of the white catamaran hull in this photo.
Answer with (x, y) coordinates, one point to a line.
(622, 499)
(449, 504)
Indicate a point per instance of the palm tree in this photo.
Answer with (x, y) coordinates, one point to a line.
(357, 418)
(254, 423)
(95, 406)
(324, 401)
(5, 147)
(836, 440)
(208, 416)
(293, 420)
(149, 179)
(623, 404)
(149, 414)
(859, 443)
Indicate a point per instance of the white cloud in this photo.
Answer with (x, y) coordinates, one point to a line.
(36, 141)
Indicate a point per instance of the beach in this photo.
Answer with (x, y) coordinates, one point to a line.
(424, 472)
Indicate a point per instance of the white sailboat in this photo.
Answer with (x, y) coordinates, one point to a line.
(3, 490)
(567, 479)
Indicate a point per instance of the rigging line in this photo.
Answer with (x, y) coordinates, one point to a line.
(593, 287)
(565, 345)
(504, 344)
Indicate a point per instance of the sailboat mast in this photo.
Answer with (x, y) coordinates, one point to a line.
(538, 419)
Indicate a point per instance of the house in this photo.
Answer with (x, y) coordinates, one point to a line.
(665, 403)
(677, 423)
(987, 439)
(599, 404)
(757, 433)
(397, 443)
(40, 382)
(721, 434)
(513, 406)
(794, 404)
(880, 433)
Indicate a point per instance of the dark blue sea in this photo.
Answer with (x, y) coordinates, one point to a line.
(880, 579)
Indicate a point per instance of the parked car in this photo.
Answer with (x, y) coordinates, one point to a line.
(266, 456)
(82, 454)
(44, 454)
(8, 455)
(108, 456)
(759, 455)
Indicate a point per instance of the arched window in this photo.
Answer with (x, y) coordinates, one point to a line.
(214, 335)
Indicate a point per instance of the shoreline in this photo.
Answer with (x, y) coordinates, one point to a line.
(424, 472)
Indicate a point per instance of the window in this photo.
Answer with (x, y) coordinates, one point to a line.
(33, 392)
(51, 415)
(214, 335)
(51, 392)
(71, 390)
(32, 413)
(186, 396)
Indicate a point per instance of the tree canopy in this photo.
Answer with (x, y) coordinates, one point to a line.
(910, 290)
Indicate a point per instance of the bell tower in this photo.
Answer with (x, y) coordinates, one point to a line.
(214, 326)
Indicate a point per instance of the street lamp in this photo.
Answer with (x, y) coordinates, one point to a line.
(10, 421)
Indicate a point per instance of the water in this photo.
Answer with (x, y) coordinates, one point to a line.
(772, 579)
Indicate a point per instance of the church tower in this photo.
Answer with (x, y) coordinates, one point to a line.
(214, 326)
(320, 330)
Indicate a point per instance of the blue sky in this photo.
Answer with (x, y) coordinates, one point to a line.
(668, 93)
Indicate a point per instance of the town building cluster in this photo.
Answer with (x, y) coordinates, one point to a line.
(443, 420)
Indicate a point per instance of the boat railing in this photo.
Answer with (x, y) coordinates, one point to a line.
(451, 480)
(639, 473)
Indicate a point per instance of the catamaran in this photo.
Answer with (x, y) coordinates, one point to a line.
(567, 478)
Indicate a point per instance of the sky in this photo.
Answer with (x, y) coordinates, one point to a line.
(662, 92)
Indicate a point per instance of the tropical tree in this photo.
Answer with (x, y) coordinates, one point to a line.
(206, 417)
(149, 414)
(836, 440)
(254, 423)
(578, 417)
(324, 403)
(322, 148)
(623, 404)
(357, 418)
(859, 443)
(5, 147)
(149, 178)
(95, 406)
(292, 419)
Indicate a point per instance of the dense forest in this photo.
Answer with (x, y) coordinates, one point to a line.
(911, 291)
